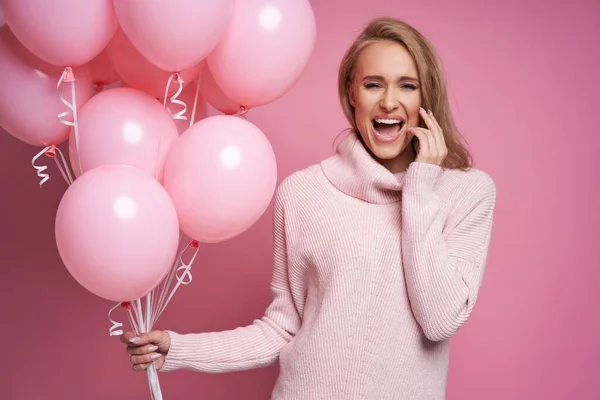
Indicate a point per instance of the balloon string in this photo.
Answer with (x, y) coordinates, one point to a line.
(174, 99)
(161, 288)
(63, 167)
(50, 151)
(184, 277)
(182, 274)
(115, 329)
(41, 168)
(193, 119)
(67, 76)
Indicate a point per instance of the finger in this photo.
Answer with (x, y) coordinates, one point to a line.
(424, 140)
(130, 338)
(144, 359)
(439, 134)
(141, 350)
(426, 118)
(146, 338)
(140, 367)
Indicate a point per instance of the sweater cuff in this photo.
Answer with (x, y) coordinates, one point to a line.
(424, 173)
(178, 352)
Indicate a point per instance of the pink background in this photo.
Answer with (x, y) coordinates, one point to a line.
(524, 86)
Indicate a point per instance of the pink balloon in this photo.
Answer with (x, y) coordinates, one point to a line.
(174, 35)
(221, 175)
(102, 70)
(215, 96)
(139, 73)
(29, 103)
(123, 126)
(62, 32)
(117, 232)
(264, 51)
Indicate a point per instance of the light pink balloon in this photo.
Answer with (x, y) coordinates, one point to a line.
(215, 96)
(62, 32)
(264, 50)
(117, 232)
(29, 103)
(102, 70)
(221, 175)
(174, 35)
(123, 126)
(139, 73)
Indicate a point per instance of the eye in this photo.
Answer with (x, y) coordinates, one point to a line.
(408, 86)
(372, 85)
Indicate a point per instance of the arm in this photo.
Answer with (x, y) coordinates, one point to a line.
(444, 271)
(253, 346)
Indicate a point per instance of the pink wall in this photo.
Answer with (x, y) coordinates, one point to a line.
(524, 84)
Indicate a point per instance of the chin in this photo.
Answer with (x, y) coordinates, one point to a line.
(385, 151)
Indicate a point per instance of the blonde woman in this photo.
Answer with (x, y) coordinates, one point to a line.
(379, 250)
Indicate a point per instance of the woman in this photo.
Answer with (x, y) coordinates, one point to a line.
(379, 250)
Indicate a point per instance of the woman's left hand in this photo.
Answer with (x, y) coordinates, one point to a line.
(432, 147)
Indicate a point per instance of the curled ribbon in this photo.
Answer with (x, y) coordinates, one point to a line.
(40, 169)
(176, 78)
(115, 328)
(185, 278)
(67, 76)
(51, 151)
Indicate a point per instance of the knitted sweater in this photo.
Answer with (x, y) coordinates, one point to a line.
(373, 273)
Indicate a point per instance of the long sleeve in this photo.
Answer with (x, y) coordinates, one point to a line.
(253, 346)
(443, 265)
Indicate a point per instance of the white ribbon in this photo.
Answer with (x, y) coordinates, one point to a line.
(174, 99)
(51, 151)
(115, 328)
(40, 169)
(67, 76)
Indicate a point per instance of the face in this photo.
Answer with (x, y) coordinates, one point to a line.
(386, 96)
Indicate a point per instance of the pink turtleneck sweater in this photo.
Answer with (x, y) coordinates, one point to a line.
(373, 273)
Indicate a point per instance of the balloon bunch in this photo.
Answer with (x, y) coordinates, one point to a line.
(122, 82)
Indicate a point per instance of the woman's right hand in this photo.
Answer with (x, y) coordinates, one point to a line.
(146, 348)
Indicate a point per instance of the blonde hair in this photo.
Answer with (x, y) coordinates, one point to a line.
(434, 94)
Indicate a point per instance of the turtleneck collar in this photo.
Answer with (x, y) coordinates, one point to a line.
(353, 171)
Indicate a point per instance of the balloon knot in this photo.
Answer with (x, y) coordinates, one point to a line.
(51, 152)
(67, 75)
(243, 111)
(126, 306)
(194, 244)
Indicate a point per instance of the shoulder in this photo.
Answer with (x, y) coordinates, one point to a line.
(472, 184)
(300, 183)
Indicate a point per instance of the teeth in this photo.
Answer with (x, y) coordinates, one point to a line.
(388, 121)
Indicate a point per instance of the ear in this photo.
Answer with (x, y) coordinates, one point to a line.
(351, 95)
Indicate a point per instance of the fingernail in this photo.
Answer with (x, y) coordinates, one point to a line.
(422, 109)
(155, 356)
(134, 340)
(152, 348)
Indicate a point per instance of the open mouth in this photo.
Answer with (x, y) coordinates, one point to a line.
(387, 128)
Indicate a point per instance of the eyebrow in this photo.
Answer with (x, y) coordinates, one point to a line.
(381, 78)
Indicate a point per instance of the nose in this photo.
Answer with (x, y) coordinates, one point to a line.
(389, 102)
